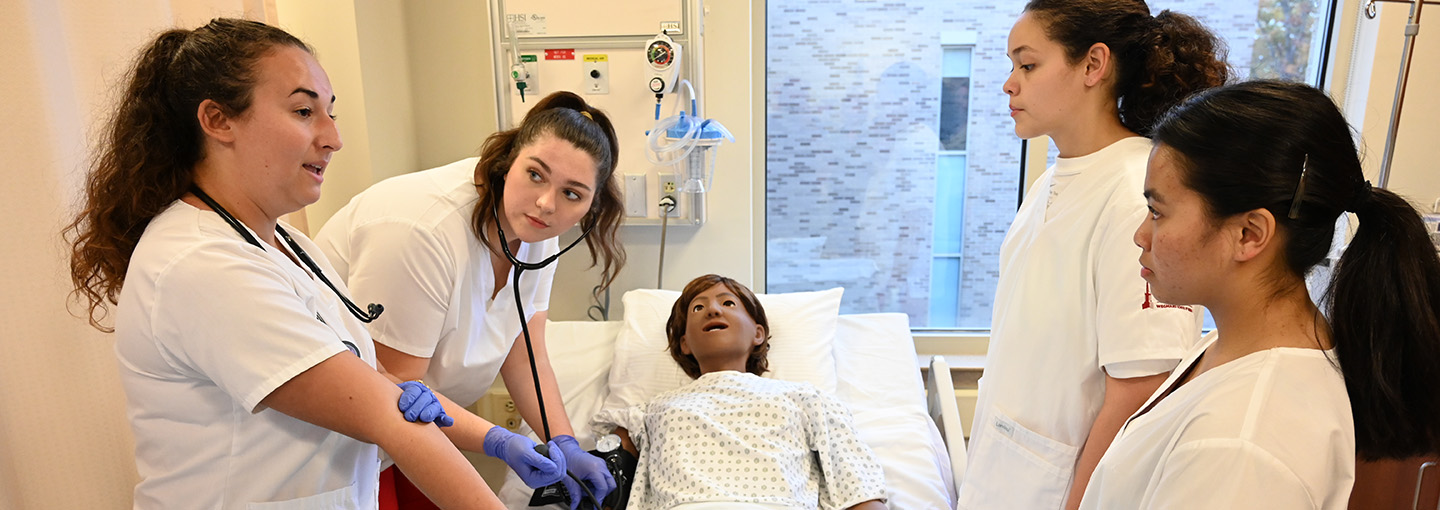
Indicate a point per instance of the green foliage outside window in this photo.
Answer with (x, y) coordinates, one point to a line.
(1283, 33)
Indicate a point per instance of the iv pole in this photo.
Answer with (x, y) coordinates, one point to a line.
(1412, 28)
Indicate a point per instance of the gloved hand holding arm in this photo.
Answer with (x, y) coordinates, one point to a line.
(590, 469)
(519, 453)
(419, 404)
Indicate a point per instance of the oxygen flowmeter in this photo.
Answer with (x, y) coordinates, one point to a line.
(518, 73)
(663, 57)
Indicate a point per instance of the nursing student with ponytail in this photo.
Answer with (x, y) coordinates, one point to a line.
(1270, 411)
(436, 247)
(248, 382)
(1077, 342)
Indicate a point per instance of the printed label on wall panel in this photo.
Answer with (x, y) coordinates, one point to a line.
(526, 24)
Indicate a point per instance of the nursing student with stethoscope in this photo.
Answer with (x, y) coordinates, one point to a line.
(452, 245)
(1077, 341)
(250, 380)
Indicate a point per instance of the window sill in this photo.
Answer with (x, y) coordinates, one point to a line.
(967, 344)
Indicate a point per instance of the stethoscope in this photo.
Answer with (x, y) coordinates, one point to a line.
(521, 267)
(371, 311)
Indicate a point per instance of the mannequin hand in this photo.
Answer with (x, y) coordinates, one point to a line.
(518, 452)
(588, 468)
(419, 404)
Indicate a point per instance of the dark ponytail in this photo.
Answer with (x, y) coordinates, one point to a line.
(1385, 313)
(152, 142)
(568, 117)
(1159, 60)
(1249, 146)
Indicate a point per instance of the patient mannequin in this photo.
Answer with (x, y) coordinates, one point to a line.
(731, 439)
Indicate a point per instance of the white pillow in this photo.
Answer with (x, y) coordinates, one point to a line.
(887, 399)
(802, 335)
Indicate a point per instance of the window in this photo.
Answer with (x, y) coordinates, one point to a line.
(892, 165)
(946, 307)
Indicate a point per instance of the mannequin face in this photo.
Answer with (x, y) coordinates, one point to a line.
(1044, 87)
(548, 189)
(719, 331)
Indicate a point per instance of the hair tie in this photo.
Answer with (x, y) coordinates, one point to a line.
(586, 114)
(1363, 195)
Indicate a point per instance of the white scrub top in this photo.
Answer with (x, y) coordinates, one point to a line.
(1271, 430)
(408, 243)
(207, 326)
(1070, 301)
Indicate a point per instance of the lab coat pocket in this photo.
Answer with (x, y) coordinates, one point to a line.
(338, 499)
(1021, 468)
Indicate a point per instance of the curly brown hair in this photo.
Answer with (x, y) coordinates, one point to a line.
(152, 142)
(1159, 60)
(758, 363)
(568, 117)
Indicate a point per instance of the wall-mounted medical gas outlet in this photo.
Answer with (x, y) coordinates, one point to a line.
(636, 205)
(596, 74)
(663, 58)
(527, 72)
(670, 186)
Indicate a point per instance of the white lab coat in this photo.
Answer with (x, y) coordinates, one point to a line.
(1271, 430)
(207, 326)
(407, 243)
(1070, 301)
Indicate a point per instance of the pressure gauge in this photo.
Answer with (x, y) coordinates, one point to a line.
(664, 57)
(660, 53)
(607, 443)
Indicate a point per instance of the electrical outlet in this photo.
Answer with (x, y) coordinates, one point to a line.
(670, 185)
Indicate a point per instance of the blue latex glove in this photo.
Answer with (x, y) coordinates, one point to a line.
(588, 468)
(518, 452)
(419, 404)
(572, 487)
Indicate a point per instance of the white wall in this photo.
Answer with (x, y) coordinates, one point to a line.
(453, 90)
(1364, 78)
(1415, 172)
(381, 38)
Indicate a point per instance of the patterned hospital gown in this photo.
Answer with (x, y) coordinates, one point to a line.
(737, 437)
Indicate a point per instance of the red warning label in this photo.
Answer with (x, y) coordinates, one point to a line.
(566, 54)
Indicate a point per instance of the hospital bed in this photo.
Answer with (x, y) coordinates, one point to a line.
(867, 360)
